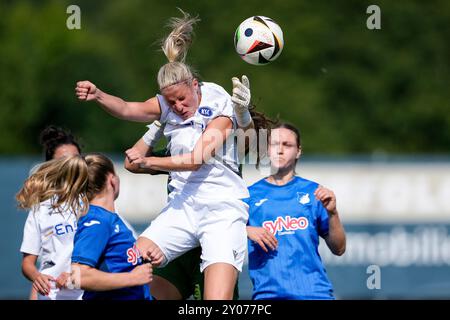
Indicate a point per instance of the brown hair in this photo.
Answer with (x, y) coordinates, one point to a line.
(99, 166)
(261, 122)
(285, 125)
(52, 137)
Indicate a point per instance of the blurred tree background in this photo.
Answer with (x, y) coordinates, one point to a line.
(349, 89)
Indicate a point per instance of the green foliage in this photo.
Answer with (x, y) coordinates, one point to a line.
(349, 89)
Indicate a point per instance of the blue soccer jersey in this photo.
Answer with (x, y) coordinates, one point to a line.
(297, 219)
(104, 242)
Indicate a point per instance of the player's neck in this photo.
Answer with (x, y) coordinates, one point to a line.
(106, 201)
(281, 177)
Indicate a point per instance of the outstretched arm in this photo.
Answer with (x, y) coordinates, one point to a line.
(146, 111)
(91, 279)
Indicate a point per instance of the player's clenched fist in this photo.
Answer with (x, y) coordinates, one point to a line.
(134, 155)
(142, 274)
(327, 197)
(86, 90)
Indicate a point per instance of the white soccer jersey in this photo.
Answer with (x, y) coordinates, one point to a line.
(49, 234)
(217, 179)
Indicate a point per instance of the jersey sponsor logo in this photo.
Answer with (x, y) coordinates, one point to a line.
(260, 202)
(205, 111)
(133, 255)
(286, 224)
(91, 223)
(303, 198)
(61, 229)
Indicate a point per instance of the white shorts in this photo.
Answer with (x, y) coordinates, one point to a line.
(218, 226)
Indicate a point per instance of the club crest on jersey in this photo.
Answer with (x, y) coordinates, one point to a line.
(205, 111)
(286, 225)
(303, 198)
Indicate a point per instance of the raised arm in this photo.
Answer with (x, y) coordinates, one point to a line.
(211, 140)
(241, 102)
(146, 111)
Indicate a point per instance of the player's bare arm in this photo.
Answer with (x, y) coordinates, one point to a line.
(91, 279)
(146, 111)
(41, 282)
(335, 239)
(145, 151)
(211, 140)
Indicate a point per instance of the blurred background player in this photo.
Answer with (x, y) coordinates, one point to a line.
(104, 257)
(104, 254)
(203, 209)
(57, 245)
(48, 234)
(287, 215)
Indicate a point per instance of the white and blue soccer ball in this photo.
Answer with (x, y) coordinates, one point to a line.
(258, 40)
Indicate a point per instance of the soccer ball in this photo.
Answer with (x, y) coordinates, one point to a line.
(258, 40)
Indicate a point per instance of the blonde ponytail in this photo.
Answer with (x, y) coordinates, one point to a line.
(62, 180)
(175, 48)
(177, 43)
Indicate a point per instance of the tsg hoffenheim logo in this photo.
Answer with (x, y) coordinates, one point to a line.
(303, 198)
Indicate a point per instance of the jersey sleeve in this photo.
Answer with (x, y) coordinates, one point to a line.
(227, 105)
(226, 108)
(31, 242)
(246, 200)
(322, 219)
(90, 241)
(153, 134)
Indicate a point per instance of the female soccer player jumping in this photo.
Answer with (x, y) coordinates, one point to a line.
(204, 206)
(105, 262)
